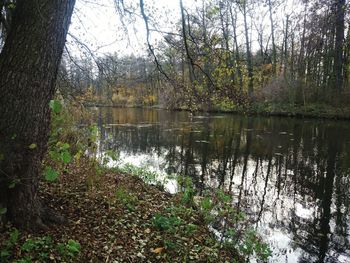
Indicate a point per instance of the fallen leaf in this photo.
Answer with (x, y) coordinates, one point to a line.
(158, 250)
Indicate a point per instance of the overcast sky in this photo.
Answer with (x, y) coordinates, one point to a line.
(97, 25)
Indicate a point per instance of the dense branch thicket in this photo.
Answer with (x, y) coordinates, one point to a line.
(226, 54)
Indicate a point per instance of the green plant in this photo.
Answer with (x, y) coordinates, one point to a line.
(206, 204)
(37, 249)
(217, 209)
(181, 211)
(59, 152)
(145, 174)
(250, 243)
(7, 246)
(188, 190)
(110, 155)
(3, 210)
(166, 223)
(69, 250)
(171, 245)
(190, 229)
(67, 142)
(125, 198)
(29, 245)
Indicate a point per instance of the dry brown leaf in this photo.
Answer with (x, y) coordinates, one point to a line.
(158, 250)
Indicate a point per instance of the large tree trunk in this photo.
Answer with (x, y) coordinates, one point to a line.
(29, 63)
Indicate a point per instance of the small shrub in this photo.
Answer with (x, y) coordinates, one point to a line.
(166, 223)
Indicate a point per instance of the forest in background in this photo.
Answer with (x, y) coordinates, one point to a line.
(226, 55)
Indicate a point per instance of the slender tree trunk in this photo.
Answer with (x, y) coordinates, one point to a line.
(292, 57)
(237, 56)
(329, 54)
(285, 55)
(260, 33)
(225, 41)
(29, 63)
(207, 65)
(274, 52)
(339, 43)
(301, 64)
(189, 59)
(301, 58)
(249, 54)
(326, 57)
(347, 59)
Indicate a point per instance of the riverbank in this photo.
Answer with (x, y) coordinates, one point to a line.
(315, 111)
(323, 111)
(114, 217)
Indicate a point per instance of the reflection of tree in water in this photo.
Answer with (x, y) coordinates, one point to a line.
(273, 167)
(315, 236)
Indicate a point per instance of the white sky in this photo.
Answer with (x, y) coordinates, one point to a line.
(96, 24)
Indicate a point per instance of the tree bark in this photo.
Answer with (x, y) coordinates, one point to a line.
(237, 56)
(285, 55)
(249, 54)
(347, 59)
(274, 52)
(29, 63)
(339, 44)
(301, 57)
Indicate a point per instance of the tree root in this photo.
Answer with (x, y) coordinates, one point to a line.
(46, 218)
(50, 216)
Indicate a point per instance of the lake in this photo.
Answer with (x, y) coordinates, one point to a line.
(290, 176)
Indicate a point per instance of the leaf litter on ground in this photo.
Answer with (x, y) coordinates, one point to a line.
(112, 230)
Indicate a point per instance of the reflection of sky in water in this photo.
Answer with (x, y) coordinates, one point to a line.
(152, 162)
(275, 209)
(288, 176)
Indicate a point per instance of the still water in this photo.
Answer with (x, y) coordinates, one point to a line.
(291, 177)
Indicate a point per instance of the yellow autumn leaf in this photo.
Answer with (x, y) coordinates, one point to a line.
(158, 250)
